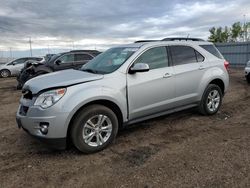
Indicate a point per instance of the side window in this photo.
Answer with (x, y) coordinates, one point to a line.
(155, 58)
(184, 55)
(67, 58)
(19, 61)
(83, 57)
(199, 57)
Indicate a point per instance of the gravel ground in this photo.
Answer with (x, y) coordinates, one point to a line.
(183, 149)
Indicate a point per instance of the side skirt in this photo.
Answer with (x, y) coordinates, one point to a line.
(133, 121)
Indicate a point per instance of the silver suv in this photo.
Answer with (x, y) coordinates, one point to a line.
(122, 86)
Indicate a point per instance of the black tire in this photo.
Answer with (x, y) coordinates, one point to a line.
(5, 73)
(79, 126)
(19, 86)
(203, 106)
(248, 78)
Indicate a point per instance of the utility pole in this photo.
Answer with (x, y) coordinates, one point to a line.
(48, 50)
(245, 29)
(30, 47)
(10, 52)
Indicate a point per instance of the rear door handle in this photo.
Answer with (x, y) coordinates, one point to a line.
(167, 75)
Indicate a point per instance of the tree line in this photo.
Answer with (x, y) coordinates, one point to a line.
(238, 32)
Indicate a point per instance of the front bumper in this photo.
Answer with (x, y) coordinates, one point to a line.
(34, 117)
(55, 143)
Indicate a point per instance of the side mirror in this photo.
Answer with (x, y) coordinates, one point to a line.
(58, 62)
(139, 67)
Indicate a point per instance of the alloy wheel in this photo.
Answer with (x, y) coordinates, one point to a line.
(97, 130)
(213, 100)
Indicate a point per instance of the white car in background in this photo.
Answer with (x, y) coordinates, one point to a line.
(247, 71)
(14, 67)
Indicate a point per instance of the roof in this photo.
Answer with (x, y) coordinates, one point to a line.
(139, 44)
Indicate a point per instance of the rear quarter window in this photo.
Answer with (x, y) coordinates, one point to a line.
(213, 50)
(185, 55)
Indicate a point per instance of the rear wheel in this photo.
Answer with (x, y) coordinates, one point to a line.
(5, 73)
(94, 128)
(211, 100)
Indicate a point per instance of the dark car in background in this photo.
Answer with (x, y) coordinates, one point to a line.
(67, 60)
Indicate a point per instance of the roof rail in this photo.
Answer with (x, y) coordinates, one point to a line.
(182, 38)
(146, 41)
(90, 51)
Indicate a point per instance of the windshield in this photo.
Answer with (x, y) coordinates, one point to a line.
(109, 61)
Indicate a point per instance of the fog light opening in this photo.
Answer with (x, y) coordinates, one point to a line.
(44, 128)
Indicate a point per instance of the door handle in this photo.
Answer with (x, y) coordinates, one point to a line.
(167, 75)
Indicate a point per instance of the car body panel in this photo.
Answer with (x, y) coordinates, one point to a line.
(57, 79)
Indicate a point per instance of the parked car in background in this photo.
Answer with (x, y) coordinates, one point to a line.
(67, 60)
(14, 67)
(247, 71)
(122, 86)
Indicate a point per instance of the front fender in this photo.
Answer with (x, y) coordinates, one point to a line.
(77, 99)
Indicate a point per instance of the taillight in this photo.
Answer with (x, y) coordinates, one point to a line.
(226, 64)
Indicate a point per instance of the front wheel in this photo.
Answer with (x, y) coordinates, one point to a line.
(94, 128)
(5, 73)
(211, 100)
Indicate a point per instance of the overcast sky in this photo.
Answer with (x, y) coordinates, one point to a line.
(103, 23)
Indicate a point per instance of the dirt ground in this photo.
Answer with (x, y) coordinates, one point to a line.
(183, 149)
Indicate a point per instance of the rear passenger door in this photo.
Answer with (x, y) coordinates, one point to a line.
(188, 67)
(81, 59)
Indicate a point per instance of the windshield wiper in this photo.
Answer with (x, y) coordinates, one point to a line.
(90, 70)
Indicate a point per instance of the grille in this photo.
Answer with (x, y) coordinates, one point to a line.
(27, 94)
(23, 110)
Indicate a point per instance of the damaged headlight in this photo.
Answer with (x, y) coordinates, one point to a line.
(49, 98)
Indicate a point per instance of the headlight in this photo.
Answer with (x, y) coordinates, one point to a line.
(49, 98)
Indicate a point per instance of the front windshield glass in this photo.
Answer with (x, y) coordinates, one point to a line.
(109, 61)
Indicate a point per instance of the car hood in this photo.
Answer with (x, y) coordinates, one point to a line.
(59, 79)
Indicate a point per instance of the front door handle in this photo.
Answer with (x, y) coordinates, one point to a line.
(167, 75)
(201, 67)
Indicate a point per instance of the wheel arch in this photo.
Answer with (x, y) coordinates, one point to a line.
(219, 82)
(6, 70)
(107, 103)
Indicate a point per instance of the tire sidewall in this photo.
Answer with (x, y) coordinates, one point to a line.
(204, 101)
(5, 70)
(79, 122)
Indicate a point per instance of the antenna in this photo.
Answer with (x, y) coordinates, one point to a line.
(30, 47)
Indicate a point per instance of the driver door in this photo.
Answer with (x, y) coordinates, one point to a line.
(153, 91)
(64, 62)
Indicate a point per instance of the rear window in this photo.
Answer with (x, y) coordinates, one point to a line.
(213, 50)
(185, 55)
